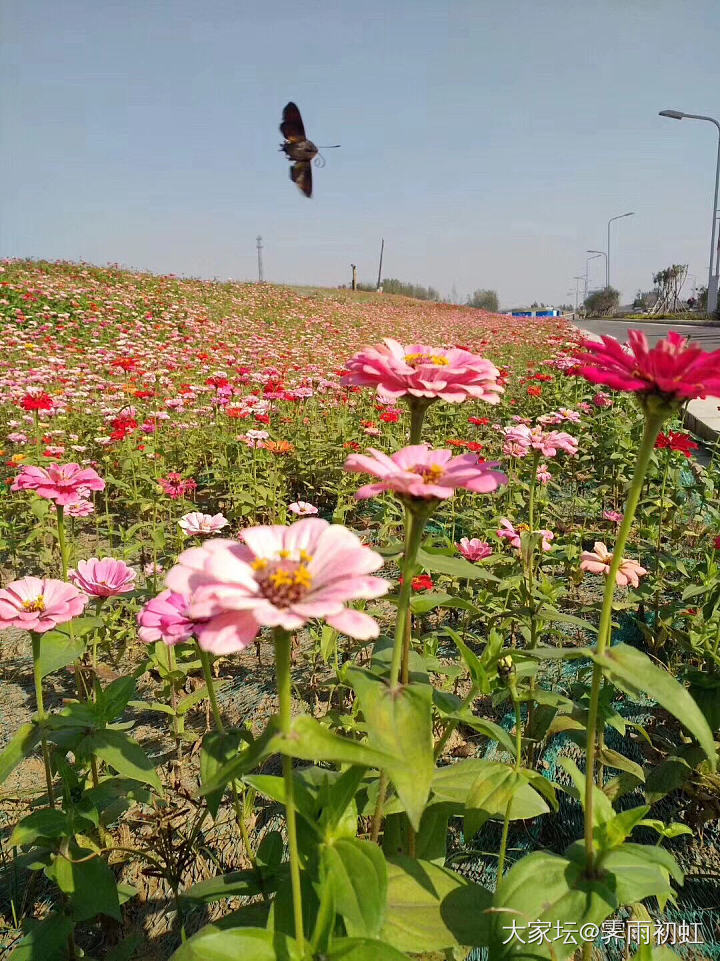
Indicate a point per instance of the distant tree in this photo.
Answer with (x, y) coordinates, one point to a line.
(602, 301)
(668, 283)
(391, 285)
(484, 299)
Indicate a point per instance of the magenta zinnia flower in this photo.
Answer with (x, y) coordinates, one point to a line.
(103, 578)
(62, 483)
(598, 561)
(418, 471)
(672, 368)
(39, 604)
(513, 534)
(279, 577)
(417, 370)
(473, 549)
(196, 523)
(165, 618)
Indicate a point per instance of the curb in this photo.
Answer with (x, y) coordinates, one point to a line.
(702, 417)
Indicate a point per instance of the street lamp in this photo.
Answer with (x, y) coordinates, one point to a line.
(607, 259)
(603, 254)
(712, 298)
(587, 262)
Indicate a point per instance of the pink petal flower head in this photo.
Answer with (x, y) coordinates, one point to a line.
(417, 370)
(103, 578)
(80, 508)
(420, 472)
(553, 441)
(513, 534)
(279, 577)
(39, 604)
(598, 561)
(614, 516)
(673, 368)
(303, 509)
(165, 618)
(196, 523)
(473, 549)
(543, 474)
(62, 483)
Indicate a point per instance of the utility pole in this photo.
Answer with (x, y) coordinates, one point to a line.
(354, 277)
(382, 248)
(577, 291)
(260, 263)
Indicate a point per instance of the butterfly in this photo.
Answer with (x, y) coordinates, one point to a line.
(298, 148)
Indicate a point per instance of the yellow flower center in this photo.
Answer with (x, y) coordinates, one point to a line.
(37, 605)
(285, 579)
(429, 472)
(416, 359)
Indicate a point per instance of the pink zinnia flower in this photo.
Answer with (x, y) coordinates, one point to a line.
(551, 442)
(513, 534)
(418, 471)
(165, 618)
(543, 474)
(417, 370)
(672, 368)
(303, 509)
(598, 561)
(39, 604)
(196, 523)
(80, 508)
(62, 483)
(103, 578)
(614, 516)
(280, 577)
(473, 549)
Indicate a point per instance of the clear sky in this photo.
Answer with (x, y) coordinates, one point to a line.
(488, 141)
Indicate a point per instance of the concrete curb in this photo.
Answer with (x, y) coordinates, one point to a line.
(702, 417)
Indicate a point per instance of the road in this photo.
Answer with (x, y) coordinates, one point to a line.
(707, 337)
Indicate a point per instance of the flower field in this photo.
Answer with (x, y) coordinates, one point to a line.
(346, 626)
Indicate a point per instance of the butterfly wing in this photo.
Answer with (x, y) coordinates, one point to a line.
(301, 174)
(292, 127)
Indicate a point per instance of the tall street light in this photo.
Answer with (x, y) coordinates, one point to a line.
(602, 254)
(607, 259)
(587, 262)
(712, 299)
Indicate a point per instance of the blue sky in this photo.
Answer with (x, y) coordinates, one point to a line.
(488, 141)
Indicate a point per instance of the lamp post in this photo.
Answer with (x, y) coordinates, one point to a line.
(712, 298)
(607, 259)
(607, 272)
(587, 262)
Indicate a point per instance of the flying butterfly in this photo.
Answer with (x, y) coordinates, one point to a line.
(298, 148)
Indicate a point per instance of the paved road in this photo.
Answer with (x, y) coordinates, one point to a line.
(707, 337)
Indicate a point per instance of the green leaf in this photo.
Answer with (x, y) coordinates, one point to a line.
(235, 884)
(642, 871)
(22, 744)
(45, 823)
(217, 750)
(544, 887)
(58, 649)
(89, 884)
(618, 761)
(123, 754)
(456, 567)
(309, 740)
(190, 700)
(454, 783)
(612, 833)
(602, 808)
(219, 774)
(357, 872)
(634, 673)
(399, 724)
(115, 698)
(422, 603)
(214, 943)
(363, 949)
(46, 940)
(431, 908)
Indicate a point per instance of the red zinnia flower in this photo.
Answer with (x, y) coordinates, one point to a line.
(677, 441)
(672, 368)
(37, 402)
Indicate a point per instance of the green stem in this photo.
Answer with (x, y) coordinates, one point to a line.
(418, 409)
(653, 422)
(658, 540)
(36, 638)
(212, 696)
(282, 669)
(61, 539)
(414, 526)
(518, 757)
